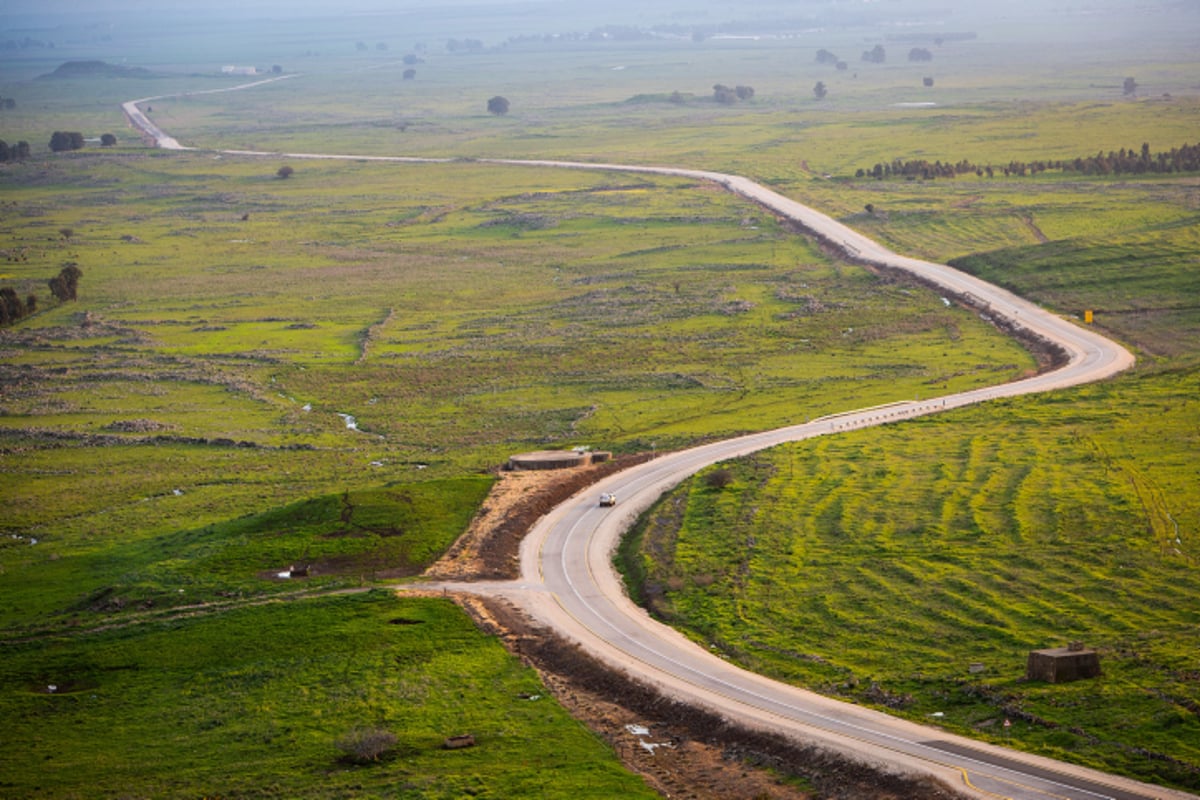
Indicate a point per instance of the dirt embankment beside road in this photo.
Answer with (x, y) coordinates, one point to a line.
(681, 751)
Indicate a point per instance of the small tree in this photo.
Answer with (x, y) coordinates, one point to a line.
(819, 91)
(744, 92)
(108, 140)
(284, 172)
(927, 81)
(66, 233)
(276, 69)
(409, 74)
(1130, 87)
(365, 745)
(498, 105)
(58, 288)
(826, 57)
(70, 275)
(14, 309)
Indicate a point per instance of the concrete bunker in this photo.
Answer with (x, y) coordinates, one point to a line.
(1063, 664)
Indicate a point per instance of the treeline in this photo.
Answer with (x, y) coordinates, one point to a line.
(60, 141)
(15, 152)
(1118, 162)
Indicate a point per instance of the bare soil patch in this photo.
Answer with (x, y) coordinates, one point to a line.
(490, 548)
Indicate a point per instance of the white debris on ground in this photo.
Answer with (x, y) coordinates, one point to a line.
(350, 421)
(641, 731)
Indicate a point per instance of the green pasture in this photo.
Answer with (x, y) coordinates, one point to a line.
(319, 544)
(251, 702)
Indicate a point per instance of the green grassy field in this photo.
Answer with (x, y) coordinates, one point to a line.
(176, 437)
(251, 702)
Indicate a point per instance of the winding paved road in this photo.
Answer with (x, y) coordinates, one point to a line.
(568, 581)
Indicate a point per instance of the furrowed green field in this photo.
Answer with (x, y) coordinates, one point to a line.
(879, 566)
(261, 374)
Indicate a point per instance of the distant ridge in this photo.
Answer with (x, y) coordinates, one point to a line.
(95, 69)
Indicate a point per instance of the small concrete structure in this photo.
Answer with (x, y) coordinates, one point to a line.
(556, 459)
(1063, 664)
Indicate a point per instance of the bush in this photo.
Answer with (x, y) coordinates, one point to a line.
(719, 479)
(365, 745)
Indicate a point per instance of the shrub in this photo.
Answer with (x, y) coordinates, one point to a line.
(365, 745)
(719, 479)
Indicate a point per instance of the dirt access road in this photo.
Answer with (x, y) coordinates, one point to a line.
(568, 583)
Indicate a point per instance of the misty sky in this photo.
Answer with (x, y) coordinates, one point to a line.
(1097, 20)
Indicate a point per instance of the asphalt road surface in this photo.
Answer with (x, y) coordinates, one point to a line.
(568, 582)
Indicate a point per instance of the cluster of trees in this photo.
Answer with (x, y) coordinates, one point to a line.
(730, 95)
(826, 57)
(63, 286)
(920, 54)
(876, 55)
(16, 152)
(605, 33)
(498, 105)
(7, 103)
(66, 140)
(26, 43)
(469, 45)
(1117, 162)
(11, 307)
